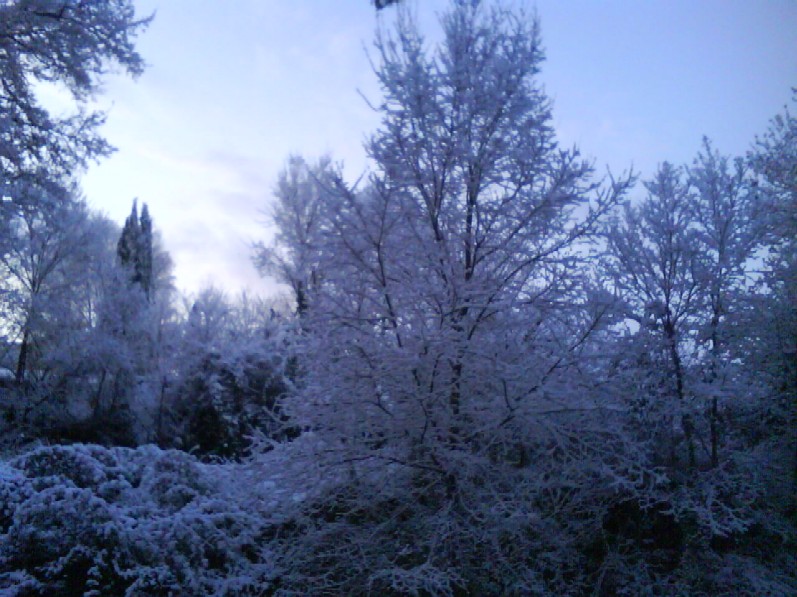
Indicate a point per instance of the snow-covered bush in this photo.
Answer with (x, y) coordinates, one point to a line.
(226, 399)
(229, 376)
(86, 520)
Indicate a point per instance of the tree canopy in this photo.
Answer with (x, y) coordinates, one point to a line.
(70, 43)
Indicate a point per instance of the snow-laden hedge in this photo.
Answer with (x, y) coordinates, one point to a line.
(87, 520)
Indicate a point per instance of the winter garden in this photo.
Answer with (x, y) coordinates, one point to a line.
(500, 373)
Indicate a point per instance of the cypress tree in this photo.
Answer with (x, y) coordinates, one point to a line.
(143, 265)
(135, 248)
(127, 248)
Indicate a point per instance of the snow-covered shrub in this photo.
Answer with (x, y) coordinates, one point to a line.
(86, 520)
(224, 399)
(229, 375)
(69, 539)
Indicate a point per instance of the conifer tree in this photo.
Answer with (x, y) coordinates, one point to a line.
(135, 248)
(143, 266)
(126, 249)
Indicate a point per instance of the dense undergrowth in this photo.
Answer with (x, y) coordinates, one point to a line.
(88, 520)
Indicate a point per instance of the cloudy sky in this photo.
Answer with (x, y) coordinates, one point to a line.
(233, 88)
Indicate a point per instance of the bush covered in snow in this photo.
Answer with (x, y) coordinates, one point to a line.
(89, 520)
(86, 520)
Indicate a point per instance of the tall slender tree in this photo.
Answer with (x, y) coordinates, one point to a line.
(127, 248)
(135, 249)
(143, 266)
(725, 240)
(653, 262)
(293, 257)
(774, 320)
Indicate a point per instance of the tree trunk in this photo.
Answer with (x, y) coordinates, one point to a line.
(98, 395)
(161, 402)
(686, 419)
(714, 433)
(714, 410)
(22, 359)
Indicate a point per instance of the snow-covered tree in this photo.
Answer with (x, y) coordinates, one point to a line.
(725, 239)
(90, 340)
(685, 265)
(772, 339)
(293, 257)
(445, 331)
(653, 265)
(774, 161)
(132, 342)
(69, 43)
(42, 237)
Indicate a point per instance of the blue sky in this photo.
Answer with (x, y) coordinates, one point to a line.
(233, 88)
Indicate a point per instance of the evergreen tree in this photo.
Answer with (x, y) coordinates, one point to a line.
(135, 248)
(143, 265)
(127, 247)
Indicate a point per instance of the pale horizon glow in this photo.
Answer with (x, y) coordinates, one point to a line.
(233, 89)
